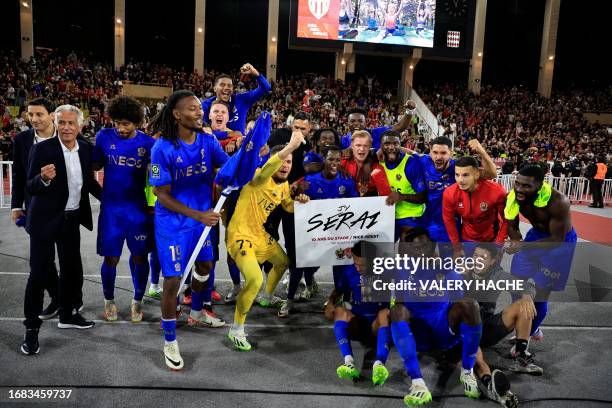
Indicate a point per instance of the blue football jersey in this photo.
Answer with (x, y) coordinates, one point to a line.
(436, 182)
(125, 164)
(189, 170)
(322, 188)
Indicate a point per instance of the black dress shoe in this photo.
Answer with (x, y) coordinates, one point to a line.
(76, 321)
(30, 344)
(50, 312)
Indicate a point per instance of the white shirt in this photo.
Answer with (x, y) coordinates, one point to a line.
(38, 139)
(74, 175)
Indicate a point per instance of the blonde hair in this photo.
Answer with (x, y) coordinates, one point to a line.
(361, 133)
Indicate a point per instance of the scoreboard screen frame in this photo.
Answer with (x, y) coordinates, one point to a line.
(444, 22)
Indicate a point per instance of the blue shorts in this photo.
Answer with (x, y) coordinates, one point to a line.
(119, 224)
(367, 310)
(431, 330)
(175, 250)
(548, 267)
(411, 222)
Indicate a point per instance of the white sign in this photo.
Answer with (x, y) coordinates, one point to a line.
(326, 230)
(319, 8)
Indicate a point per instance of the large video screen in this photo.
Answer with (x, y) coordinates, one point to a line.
(398, 22)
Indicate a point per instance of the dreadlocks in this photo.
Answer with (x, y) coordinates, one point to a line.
(164, 122)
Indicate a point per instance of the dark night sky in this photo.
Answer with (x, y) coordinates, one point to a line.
(236, 33)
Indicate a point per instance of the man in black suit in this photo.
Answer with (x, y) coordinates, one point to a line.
(60, 179)
(40, 115)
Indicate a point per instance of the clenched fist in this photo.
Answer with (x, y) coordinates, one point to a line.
(47, 173)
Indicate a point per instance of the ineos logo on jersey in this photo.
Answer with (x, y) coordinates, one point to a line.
(194, 169)
(319, 8)
(124, 161)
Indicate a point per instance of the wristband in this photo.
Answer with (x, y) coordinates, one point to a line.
(411, 111)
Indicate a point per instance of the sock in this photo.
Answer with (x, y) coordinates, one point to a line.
(266, 296)
(340, 330)
(541, 309)
(140, 274)
(197, 300)
(155, 268)
(406, 346)
(107, 302)
(382, 344)
(486, 379)
(419, 381)
(109, 273)
(234, 271)
(237, 328)
(521, 346)
(169, 328)
(295, 275)
(349, 360)
(309, 276)
(210, 284)
(470, 337)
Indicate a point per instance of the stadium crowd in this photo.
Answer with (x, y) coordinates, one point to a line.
(513, 123)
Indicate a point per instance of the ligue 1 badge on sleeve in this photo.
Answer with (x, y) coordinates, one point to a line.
(155, 171)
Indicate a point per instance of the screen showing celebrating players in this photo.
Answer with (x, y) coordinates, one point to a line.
(399, 22)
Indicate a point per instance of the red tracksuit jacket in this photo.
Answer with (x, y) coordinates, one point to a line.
(478, 211)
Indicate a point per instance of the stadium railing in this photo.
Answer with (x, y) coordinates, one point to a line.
(577, 189)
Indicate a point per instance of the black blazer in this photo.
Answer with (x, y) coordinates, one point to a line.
(21, 154)
(48, 202)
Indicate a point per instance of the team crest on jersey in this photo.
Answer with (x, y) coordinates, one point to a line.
(398, 177)
(113, 147)
(341, 190)
(202, 153)
(155, 171)
(177, 266)
(179, 159)
(141, 151)
(460, 205)
(320, 190)
(484, 206)
(445, 177)
(319, 8)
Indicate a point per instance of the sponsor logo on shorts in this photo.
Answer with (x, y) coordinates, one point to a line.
(177, 266)
(341, 190)
(202, 153)
(141, 237)
(155, 171)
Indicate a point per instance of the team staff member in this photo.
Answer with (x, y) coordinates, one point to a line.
(479, 203)
(40, 114)
(60, 179)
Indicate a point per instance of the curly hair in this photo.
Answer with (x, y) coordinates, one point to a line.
(125, 108)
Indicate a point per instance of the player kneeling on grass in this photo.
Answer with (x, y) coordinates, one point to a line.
(355, 319)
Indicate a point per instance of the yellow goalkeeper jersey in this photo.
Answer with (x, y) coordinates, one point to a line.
(257, 200)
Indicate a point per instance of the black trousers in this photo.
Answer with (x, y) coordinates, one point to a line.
(596, 187)
(42, 252)
(271, 226)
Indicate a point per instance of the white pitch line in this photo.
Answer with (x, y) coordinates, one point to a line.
(289, 326)
(129, 277)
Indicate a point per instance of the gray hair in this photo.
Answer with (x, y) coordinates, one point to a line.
(69, 108)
